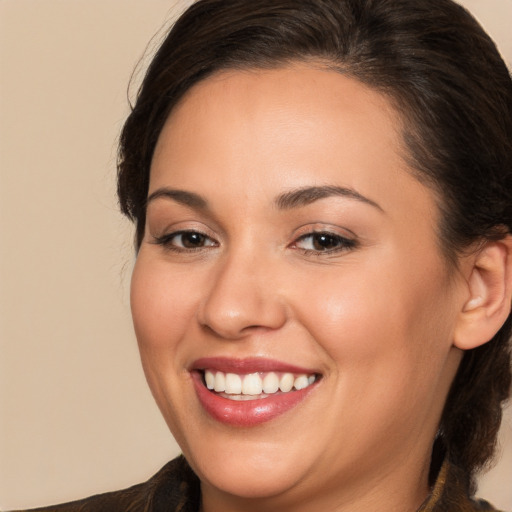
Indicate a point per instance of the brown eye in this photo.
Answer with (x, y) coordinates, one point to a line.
(323, 242)
(185, 240)
(191, 239)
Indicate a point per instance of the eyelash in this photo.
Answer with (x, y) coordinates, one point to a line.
(342, 243)
(166, 241)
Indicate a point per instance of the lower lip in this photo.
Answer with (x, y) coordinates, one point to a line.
(246, 413)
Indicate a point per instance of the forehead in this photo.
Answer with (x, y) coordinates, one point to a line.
(289, 127)
(286, 99)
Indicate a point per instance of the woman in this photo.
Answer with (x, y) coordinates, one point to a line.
(322, 291)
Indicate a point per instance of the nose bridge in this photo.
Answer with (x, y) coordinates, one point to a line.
(242, 296)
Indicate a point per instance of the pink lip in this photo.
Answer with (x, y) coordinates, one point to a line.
(251, 412)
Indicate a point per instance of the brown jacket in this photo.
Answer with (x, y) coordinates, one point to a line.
(175, 488)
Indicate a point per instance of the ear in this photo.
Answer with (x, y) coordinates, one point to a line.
(488, 304)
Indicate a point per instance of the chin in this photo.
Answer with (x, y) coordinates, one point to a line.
(255, 479)
(248, 463)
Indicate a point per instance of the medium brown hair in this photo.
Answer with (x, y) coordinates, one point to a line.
(454, 94)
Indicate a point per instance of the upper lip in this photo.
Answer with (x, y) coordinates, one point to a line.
(247, 365)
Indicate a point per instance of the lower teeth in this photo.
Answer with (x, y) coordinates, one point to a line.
(242, 398)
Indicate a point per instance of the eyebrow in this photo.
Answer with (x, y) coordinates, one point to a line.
(296, 198)
(307, 195)
(180, 196)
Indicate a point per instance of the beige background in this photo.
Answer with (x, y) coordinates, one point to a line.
(76, 417)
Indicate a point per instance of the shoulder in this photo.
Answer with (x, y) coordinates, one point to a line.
(174, 487)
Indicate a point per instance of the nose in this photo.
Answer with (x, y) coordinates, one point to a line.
(242, 298)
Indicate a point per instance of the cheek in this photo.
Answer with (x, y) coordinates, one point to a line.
(161, 303)
(399, 316)
(387, 357)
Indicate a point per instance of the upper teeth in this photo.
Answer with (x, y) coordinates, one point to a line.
(255, 383)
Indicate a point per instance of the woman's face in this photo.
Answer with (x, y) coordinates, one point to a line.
(287, 240)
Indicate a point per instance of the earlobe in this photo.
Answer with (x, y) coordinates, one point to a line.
(488, 304)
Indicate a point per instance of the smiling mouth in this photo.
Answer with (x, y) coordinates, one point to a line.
(255, 386)
(249, 392)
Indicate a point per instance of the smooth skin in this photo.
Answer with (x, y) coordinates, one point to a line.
(352, 284)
